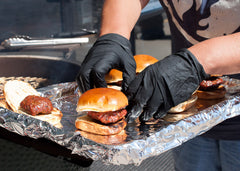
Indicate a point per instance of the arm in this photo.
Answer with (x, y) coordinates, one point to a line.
(220, 55)
(120, 16)
(173, 79)
(112, 49)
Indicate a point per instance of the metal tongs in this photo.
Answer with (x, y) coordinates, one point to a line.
(26, 41)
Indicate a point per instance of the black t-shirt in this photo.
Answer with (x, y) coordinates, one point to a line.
(193, 21)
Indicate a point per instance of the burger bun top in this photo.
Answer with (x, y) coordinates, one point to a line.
(143, 61)
(102, 100)
(113, 76)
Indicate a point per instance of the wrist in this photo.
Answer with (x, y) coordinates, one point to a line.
(199, 68)
(116, 38)
(119, 32)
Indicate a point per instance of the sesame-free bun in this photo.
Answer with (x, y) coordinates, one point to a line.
(181, 107)
(87, 124)
(102, 100)
(113, 76)
(115, 139)
(143, 61)
(218, 93)
(15, 91)
(114, 79)
(115, 87)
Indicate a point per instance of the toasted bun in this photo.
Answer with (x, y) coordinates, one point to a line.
(115, 87)
(174, 117)
(87, 124)
(106, 139)
(142, 61)
(113, 76)
(212, 94)
(102, 100)
(184, 105)
(15, 91)
(205, 103)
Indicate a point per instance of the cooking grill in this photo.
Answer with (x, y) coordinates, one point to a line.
(34, 81)
(37, 70)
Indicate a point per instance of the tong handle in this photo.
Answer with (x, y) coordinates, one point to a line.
(15, 43)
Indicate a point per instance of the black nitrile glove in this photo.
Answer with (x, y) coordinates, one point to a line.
(164, 85)
(108, 52)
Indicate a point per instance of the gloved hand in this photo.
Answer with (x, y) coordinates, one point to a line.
(164, 85)
(108, 52)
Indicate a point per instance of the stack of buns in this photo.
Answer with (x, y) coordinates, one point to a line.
(103, 107)
(102, 115)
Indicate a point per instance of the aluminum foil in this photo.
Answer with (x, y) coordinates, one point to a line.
(137, 142)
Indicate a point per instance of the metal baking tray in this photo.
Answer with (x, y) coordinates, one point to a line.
(139, 141)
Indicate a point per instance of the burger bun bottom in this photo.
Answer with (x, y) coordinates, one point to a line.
(218, 93)
(181, 107)
(87, 124)
(106, 139)
(115, 87)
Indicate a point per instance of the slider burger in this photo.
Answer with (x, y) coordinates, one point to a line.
(211, 88)
(22, 98)
(114, 77)
(105, 109)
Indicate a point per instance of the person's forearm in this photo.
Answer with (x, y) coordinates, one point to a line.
(219, 55)
(120, 16)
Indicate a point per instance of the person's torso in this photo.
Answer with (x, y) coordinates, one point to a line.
(193, 21)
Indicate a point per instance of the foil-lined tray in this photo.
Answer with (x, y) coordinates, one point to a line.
(138, 141)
